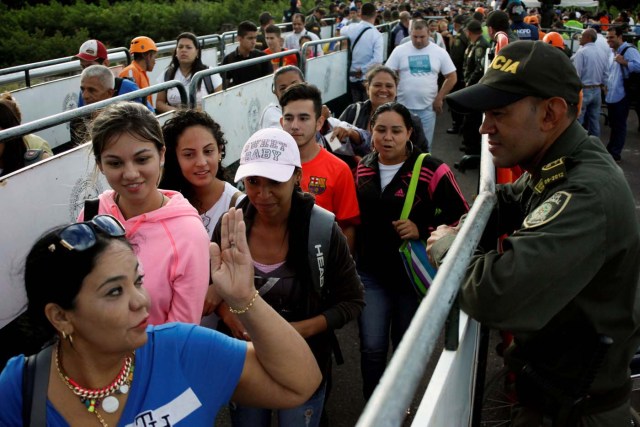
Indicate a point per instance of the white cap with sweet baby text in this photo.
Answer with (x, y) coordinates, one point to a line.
(269, 153)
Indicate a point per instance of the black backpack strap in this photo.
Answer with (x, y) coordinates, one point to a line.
(208, 84)
(353, 46)
(91, 208)
(35, 383)
(320, 228)
(117, 86)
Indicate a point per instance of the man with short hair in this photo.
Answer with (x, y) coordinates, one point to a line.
(144, 52)
(626, 60)
(592, 66)
(324, 175)
(400, 30)
(265, 20)
(247, 33)
(97, 83)
(92, 52)
(418, 65)
(365, 42)
(292, 41)
(274, 43)
(456, 52)
(497, 22)
(565, 280)
(473, 71)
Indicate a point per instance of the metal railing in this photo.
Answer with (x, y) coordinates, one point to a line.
(197, 77)
(398, 385)
(308, 45)
(27, 68)
(67, 116)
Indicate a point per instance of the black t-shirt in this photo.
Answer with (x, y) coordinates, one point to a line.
(245, 74)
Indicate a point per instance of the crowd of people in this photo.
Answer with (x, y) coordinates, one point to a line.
(174, 250)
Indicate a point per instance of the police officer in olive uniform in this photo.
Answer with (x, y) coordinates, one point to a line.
(565, 282)
(473, 71)
(456, 52)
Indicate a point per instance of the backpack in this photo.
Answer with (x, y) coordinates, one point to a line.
(631, 83)
(208, 83)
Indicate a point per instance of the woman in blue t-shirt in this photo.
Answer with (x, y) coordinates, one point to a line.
(108, 367)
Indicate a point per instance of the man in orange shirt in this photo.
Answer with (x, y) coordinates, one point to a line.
(273, 36)
(144, 52)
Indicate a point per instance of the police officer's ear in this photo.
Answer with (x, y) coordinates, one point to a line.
(554, 112)
(112, 93)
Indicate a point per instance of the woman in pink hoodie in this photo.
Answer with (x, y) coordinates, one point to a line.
(167, 232)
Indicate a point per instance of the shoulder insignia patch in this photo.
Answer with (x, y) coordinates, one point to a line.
(548, 210)
(550, 173)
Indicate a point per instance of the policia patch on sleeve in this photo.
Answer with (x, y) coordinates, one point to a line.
(547, 211)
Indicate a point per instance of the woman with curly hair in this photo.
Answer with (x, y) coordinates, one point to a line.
(195, 149)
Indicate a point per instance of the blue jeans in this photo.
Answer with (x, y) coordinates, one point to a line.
(618, 114)
(306, 415)
(590, 113)
(388, 311)
(428, 119)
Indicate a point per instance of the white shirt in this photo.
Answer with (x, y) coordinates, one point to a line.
(369, 49)
(387, 172)
(292, 41)
(173, 96)
(418, 70)
(211, 217)
(271, 116)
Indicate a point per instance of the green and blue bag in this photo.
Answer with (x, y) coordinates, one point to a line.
(414, 252)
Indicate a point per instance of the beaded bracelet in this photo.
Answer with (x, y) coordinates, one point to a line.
(244, 310)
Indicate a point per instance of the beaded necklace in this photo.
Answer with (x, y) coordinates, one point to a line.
(101, 398)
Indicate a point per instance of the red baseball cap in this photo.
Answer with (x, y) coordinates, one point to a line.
(92, 50)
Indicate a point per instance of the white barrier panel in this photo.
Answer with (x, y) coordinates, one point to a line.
(325, 32)
(60, 95)
(47, 99)
(449, 396)
(329, 74)
(34, 200)
(238, 111)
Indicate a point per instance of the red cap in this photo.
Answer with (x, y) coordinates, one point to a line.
(92, 50)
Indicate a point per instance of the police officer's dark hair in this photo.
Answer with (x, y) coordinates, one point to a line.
(302, 92)
(246, 27)
(397, 108)
(478, 16)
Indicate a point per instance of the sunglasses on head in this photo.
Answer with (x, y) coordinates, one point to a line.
(82, 236)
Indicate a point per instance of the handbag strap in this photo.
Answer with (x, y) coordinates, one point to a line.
(411, 191)
(35, 383)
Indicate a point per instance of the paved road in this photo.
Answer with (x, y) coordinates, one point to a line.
(346, 403)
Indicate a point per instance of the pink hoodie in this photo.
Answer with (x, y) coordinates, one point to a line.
(173, 248)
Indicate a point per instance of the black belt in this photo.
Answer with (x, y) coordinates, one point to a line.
(591, 86)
